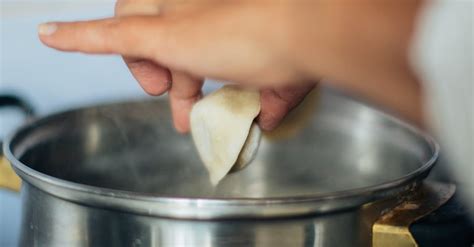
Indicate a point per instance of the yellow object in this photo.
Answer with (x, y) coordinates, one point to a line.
(8, 177)
(392, 228)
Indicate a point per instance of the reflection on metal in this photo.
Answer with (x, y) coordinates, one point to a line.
(392, 229)
(93, 138)
(8, 178)
(140, 163)
(51, 221)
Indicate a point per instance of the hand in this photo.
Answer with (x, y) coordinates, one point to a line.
(360, 47)
(156, 79)
(184, 88)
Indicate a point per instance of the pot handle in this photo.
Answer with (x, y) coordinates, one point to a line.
(393, 227)
(8, 178)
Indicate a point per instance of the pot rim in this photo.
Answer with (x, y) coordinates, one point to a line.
(237, 206)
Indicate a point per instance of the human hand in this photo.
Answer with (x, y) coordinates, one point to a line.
(184, 88)
(360, 47)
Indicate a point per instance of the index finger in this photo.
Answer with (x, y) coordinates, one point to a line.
(130, 36)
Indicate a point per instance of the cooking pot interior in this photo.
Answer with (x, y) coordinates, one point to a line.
(133, 147)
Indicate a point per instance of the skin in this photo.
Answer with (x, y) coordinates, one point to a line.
(184, 88)
(278, 46)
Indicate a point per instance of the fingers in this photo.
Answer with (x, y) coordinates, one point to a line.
(185, 91)
(156, 79)
(275, 104)
(153, 78)
(130, 36)
(182, 44)
(144, 37)
(210, 42)
(122, 36)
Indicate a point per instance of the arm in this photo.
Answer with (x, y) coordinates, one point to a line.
(361, 47)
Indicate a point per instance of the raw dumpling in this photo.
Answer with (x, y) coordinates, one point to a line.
(223, 129)
(249, 150)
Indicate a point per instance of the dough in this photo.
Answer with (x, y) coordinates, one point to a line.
(249, 150)
(223, 129)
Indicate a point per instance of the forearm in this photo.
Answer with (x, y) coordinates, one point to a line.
(362, 47)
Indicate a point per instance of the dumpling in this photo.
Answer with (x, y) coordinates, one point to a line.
(223, 129)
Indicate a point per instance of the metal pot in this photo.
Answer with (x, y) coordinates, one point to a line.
(119, 175)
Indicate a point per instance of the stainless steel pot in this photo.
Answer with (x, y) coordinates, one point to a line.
(119, 175)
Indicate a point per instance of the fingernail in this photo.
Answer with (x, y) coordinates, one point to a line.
(47, 28)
